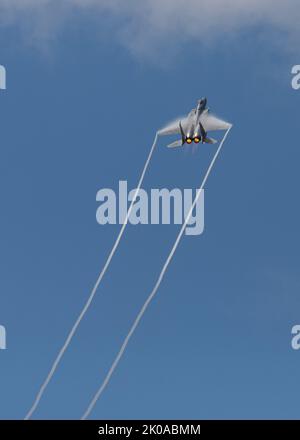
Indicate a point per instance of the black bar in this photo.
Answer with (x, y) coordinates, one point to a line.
(97, 429)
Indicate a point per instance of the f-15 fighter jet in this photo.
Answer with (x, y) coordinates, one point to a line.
(194, 127)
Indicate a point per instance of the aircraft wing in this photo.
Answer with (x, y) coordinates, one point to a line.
(212, 123)
(172, 127)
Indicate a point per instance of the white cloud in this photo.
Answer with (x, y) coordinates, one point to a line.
(147, 26)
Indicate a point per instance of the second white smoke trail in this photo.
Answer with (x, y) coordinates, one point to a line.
(155, 289)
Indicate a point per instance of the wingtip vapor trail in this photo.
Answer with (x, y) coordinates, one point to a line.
(156, 287)
(92, 294)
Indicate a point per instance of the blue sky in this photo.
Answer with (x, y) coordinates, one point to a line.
(82, 105)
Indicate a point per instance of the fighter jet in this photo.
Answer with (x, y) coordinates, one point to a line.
(194, 127)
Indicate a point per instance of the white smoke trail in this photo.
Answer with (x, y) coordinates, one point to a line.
(92, 294)
(152, 294)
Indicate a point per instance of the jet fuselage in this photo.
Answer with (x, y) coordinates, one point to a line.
(193, 131)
